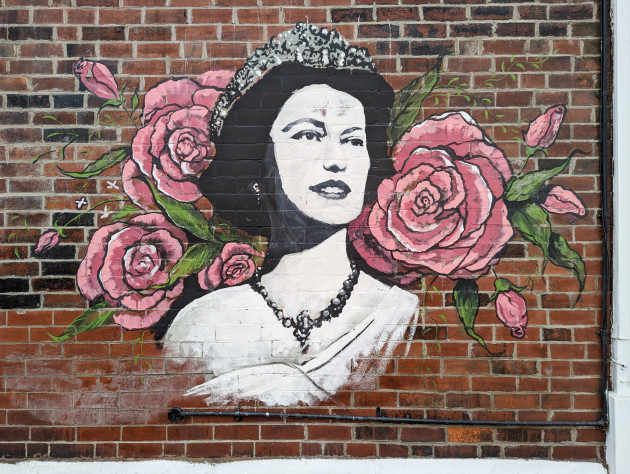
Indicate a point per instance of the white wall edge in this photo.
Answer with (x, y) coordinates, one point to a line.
(618, 437)
(309, 465)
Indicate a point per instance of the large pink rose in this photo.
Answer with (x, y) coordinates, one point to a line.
(174, 146)
(125, 262)
(234, 265)
(442, 212)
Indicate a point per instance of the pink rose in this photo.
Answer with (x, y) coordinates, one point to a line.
(136, 188)
(542, 131)
(47, 240)
(174, 147)
(561, 200)
(127, 263)
(512, 312)
(234, 265)
(442, 211)
(97, 78)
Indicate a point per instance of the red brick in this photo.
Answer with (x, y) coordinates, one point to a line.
(281, 432)
(277, 449)
(444, 13)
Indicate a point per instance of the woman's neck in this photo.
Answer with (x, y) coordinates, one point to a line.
(327, 258)
(309, 279)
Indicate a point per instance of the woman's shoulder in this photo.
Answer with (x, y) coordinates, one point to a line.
(198, 320)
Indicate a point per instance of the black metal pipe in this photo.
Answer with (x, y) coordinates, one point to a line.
(178, 414)
(604, 332)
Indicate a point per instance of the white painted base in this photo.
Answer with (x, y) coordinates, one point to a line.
(618, 437)
(297, 466)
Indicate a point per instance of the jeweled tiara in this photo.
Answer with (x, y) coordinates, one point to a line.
(306, 44)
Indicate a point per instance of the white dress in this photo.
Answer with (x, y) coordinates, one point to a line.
(234, 338)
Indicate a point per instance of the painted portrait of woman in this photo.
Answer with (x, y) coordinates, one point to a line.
(300, 152)
(280, 221)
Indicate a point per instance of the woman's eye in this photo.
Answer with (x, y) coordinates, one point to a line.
(307, 136)
(353, 141)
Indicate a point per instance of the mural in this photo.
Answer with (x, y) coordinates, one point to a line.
(276, 220)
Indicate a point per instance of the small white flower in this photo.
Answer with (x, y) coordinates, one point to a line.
(106, 213)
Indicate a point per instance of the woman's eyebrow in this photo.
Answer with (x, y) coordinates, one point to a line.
(350, 130)
(313, 122)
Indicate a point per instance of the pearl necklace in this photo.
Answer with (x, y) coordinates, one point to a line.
(303, 324)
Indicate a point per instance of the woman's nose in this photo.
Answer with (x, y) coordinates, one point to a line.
(335, 160)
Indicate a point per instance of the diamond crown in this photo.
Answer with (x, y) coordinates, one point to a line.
(306, 44)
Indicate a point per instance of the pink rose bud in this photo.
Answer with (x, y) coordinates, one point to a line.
(48, 240)
(563, 201)
(512, 312)
(97, 78)
(542, 131)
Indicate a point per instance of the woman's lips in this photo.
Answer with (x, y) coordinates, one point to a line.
(331, 189)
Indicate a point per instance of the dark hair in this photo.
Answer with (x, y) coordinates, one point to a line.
(243, 152)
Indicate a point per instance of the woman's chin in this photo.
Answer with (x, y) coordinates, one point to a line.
(334, 213)
(334, 219)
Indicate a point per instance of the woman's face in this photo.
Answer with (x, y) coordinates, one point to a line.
(321, 153)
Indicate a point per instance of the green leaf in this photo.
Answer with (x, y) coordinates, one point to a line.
(125, 211)
(98, 316)
(502, 285)
(532, 221)
(39, 155)
(183, 214)
(466, 296)
(407, 102)
(529, 185)
(195, 258)
(111, 103)
(529, 151)
(135, 100)
(519, 65)
(106, 161)
(564, 256)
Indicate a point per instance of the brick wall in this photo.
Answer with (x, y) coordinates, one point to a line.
(105, 393)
